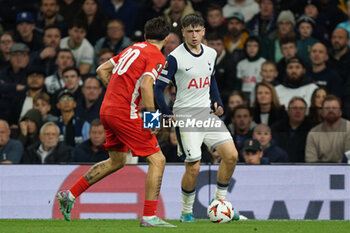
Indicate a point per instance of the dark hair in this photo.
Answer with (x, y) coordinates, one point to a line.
(287, 39)
(103, 51)
(242, 106)
(52, 26)
(314, 115)
(214, 36)
(332, 98)
(213, 7)
(156, 29)
(296, 98)
(116, 21)
(92, 76)
(79, 23)
(192, 20)
(71, 68)
(95, 122)
(42, 96)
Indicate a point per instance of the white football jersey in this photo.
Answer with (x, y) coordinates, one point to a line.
(191, 74)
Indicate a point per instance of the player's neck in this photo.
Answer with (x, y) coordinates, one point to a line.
(196, 49)
(158, 44)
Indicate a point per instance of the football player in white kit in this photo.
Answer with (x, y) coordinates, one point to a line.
(190, 67)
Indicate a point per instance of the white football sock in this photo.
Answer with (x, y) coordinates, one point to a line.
(188, 201)
(220, 192)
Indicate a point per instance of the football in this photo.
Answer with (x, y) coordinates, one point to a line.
(220, 211)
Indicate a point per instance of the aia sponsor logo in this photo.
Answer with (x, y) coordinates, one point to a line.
(199, 83)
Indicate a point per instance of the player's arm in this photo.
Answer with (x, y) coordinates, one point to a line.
(215, 97)
(165, 77)
(104, 71)
(147, 92)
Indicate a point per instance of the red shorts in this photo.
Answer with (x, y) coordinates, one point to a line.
(122, 134)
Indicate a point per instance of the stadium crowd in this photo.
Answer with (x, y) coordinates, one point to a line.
(283, 71)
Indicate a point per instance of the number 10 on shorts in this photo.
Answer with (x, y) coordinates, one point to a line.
(151, 120)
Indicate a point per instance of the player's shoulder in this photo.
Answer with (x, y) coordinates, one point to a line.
(209, 49)
(178, 51)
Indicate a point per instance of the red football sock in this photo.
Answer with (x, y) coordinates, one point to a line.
(79, 187)
(149, 208)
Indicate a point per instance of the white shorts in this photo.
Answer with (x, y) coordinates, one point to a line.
(190, 141)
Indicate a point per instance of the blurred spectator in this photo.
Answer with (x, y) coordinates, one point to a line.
(248, 70)
(88, 107)
(104, 55)
(248, 8)
(11, 150)
(321, 74)
(13, 78)
(41, 102)
(241, 119)
(23, 101)
(72, 82)
(215, 20)
(296, 6)
(201, 6)
(266, 107)
(6, 42)
(25, 32)
(346, 24)
(169, 147)
(115, 38)
(340, 60)
(305, 26)
(330, 14)
(82, 50)
(235, 98)
(177, 10)
(173, 41)
(72, 129)
(29, 127)
(91, 150)
(269, 72)
(150, 10)
(49, 16)
(215, 157)
(236, 36)
(289, 50)
(48, 150)
(46, 56)
(64, 60)
(124, 10)
(272, 152)
(290, 133)
(296, 83)
(225, 72)
(317, 98)
(95, 20)
(264, 23)
(329, 141)
(252, 153)
(69, 8)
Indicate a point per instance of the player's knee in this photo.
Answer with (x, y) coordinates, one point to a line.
(193, 168)
(231, 158)
(118, 163)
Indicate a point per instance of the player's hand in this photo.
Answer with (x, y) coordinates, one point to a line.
(218, 109)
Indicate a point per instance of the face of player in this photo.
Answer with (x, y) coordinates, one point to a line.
(89, 7)
(42, 106)
(52, 38)
(19, 60)
(115, 30)
(193, 35)
(268, 72)
(71, 80)
(242, 120)
(49, 8)
(285, 27)
(331, 111)
(305, 30)
(91, 89)
(263, 135)
(339, 39)
(218, 45)
(320, 95)
(234, 101)
(214, 18)
(235, 27)
(77, 34)
(297, 111)
(318, 54)
(266, 9)
(49, 136)
(6, 41)
(25, 29)
(35, 81)
(289, 50)
(97, 135)
(263, 95)
(295, 70)
(66, 104)
(4, 133)
(311, 11)
(252, 48)
(64, 59)
(104, 57)
(252, 157)
(172, 43)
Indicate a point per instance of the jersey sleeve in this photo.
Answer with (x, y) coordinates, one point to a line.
(154, 66)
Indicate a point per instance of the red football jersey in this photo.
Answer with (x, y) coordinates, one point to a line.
(123, 92)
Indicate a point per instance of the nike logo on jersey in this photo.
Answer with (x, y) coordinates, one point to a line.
(187, 69)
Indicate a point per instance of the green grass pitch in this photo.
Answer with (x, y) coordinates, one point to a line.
(201, 226)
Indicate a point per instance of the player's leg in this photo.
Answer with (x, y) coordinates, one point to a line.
(100, 170)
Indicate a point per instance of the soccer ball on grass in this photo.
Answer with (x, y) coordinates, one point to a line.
(220, 211)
